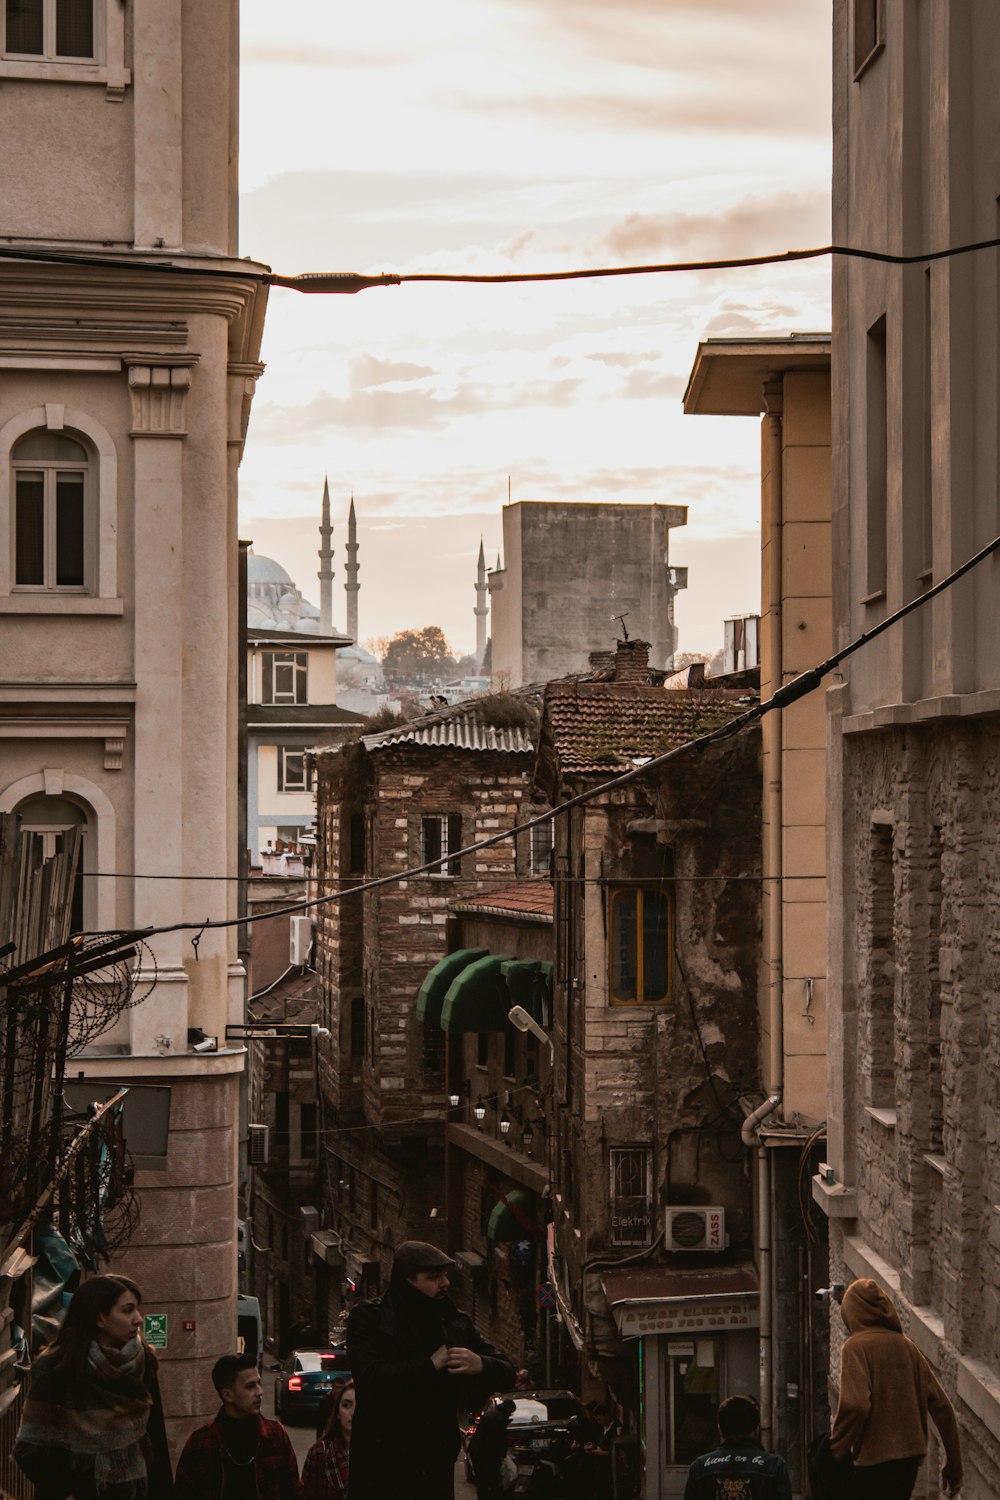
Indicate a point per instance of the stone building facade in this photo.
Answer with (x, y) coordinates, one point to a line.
(394, 800)
(124, 403)
(657, 946)
(568, 569)
(914, 1029)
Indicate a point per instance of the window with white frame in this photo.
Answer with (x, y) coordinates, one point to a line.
(540, 849)
(285, 677)
(50, 30)
(294, 775)
(51, 478)
(440, 836)
(631, 1194)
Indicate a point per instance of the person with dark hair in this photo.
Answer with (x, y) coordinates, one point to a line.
(740, 1468)
(417, 1362)
(93, 1422)
(887, 1391)
(240, 1455)
(488, 1448)
(325, 1471)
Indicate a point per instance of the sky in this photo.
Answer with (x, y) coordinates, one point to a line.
(478, 136)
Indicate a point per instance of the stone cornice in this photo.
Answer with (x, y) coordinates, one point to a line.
(126, 289)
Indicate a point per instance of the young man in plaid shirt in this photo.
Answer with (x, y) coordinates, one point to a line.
(241, 1455)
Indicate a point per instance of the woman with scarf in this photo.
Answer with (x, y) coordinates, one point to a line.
(324, 1474)
(93, 1425)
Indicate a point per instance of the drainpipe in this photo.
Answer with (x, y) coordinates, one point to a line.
(751, 1138)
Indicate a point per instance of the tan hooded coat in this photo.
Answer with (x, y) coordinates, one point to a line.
(887, 1389)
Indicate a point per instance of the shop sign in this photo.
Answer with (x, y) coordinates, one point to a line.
(694, 1315)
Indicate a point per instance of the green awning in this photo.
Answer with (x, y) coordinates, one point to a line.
(478, 998)
(435, 986)
(529, 983)
(513, 1219)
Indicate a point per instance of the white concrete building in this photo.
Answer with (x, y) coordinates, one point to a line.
(914, 729)
(126, 377)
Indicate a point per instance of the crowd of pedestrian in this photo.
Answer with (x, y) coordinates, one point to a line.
(93, 1429)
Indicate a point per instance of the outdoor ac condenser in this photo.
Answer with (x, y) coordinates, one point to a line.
(299, 940)
(257, 1144)
(695, 1227)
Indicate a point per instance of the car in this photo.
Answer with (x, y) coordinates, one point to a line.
(539, 1423)
(306, 1379)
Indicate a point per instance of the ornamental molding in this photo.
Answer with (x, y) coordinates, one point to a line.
(158, 392)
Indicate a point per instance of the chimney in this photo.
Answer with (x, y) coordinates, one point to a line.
(602, 661)
(632, 663)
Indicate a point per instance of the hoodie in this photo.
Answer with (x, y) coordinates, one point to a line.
(887, 1389)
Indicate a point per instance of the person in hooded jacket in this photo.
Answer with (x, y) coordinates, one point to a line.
(887, 1390)
(417, 1362)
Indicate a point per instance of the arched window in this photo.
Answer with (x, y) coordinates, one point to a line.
(52, 477)
(49, 820)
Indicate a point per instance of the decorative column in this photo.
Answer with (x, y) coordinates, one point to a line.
(158, 393)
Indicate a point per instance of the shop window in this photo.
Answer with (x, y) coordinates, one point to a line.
(439, 836)
(630, 1194)
(641, 946)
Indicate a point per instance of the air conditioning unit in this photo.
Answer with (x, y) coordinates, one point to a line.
(257, 1144)
(695, 1227)
(300, 940)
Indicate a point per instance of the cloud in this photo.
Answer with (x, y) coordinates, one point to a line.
(367, 371)
(288, 55)
(755, 225)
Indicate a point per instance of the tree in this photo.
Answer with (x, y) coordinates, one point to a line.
(418, 655)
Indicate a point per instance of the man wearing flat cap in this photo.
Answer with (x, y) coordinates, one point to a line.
(417, 1362)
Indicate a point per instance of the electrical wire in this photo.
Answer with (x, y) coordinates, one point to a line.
(325, 283)
(800, 686)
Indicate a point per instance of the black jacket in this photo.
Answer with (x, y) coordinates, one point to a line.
(739, 1468)
(406, 1421)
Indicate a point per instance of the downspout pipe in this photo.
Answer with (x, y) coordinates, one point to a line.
(750, 1137)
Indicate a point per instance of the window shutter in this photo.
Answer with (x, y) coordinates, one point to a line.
(267, 677)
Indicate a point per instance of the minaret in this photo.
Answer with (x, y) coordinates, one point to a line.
(352, 586)
(482, 609)
(325, 566)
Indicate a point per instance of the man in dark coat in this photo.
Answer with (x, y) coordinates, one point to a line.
(740, 1468)
(417, 1362)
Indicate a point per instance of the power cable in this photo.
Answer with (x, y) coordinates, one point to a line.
(325, 283)
(800, 686)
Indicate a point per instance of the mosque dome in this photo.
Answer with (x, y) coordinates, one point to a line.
(266, 570)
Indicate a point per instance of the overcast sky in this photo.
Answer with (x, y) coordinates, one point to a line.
(504, 135)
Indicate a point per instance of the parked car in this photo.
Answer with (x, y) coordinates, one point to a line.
(539, 1433)
(305, 1380)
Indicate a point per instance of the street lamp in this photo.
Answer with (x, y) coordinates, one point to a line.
(522, 1021)
(527, 1136)
(504, 1123)
(479, 1110)
(454, 1100)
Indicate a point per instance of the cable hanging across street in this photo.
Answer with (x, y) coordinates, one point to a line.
(807, 682)
(326, 283)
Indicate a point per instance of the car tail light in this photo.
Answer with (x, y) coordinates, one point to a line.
(295, 1382)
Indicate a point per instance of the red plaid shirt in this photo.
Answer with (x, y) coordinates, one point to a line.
(201, 1472)
(325, 1471)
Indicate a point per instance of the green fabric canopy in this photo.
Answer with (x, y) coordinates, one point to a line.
(478, 998)
(507, 1224)
(435, 986)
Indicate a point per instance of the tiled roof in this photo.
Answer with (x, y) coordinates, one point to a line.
(464, 727)
(529, 898)
(603, 729)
